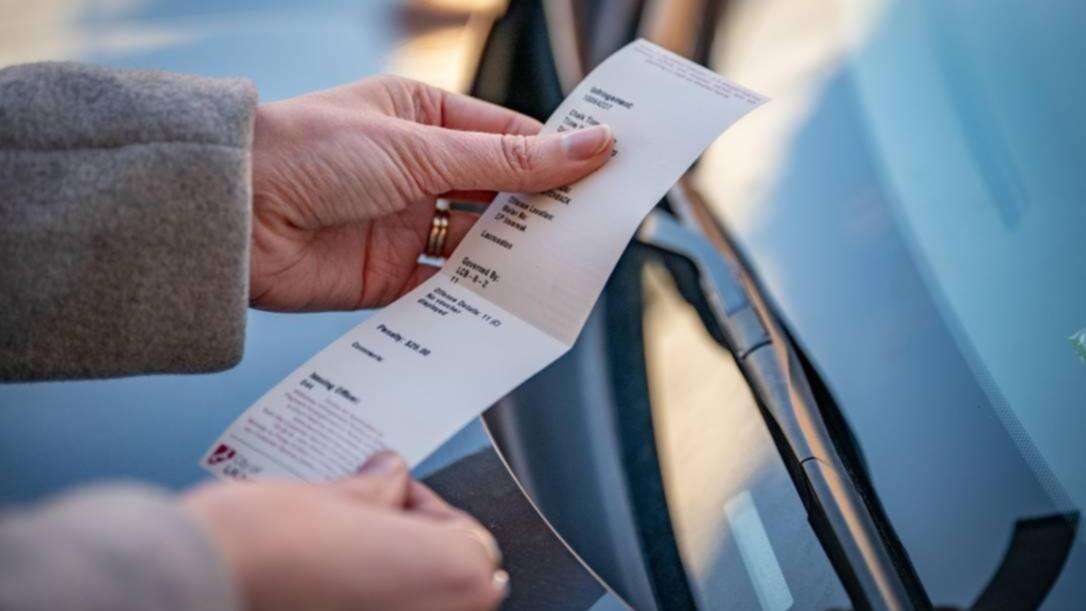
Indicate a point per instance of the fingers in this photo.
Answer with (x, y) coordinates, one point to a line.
(421, 500)
(463, 574)
(469, 114)
(478, 197)
(442, 108)
(476, 161)
(475, 548)
(460, 222)
(382, 480)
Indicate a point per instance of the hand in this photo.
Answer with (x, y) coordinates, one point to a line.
(344, 184)
(378, 540)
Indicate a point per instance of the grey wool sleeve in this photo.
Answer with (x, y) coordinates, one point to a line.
(116, 548)
(124, 221)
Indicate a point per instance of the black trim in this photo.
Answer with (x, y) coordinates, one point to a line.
(623, 308)
(517, 68)
(851, 455)
(1033, 562)
(686, 275)
(842, 437)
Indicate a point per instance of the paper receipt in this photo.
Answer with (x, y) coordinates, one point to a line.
(511, 299)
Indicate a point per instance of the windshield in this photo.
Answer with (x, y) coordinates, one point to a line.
(996, 209)
(912, 201)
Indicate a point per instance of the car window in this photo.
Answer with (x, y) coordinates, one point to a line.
(911, 202)
(740, 525)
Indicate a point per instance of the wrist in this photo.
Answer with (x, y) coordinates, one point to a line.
(270, 137)
(276, 233)
(201, 511)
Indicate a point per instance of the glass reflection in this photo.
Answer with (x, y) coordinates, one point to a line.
(913, 207)
(741, 527)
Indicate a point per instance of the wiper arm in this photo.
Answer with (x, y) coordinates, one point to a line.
(771, 366)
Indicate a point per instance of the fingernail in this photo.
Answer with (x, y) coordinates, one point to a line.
(489, 543)
(383, 463)
(586, 143)
(501, 582)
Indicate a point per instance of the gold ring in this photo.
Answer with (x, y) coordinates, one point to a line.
(439, 229)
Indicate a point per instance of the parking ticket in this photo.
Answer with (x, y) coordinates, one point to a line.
(511, 298)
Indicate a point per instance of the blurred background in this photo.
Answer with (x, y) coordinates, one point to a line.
(843, 365)
(156, 428)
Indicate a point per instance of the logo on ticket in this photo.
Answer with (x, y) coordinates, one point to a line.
(229, 463)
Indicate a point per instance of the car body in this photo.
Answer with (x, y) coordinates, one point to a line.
(902, 219)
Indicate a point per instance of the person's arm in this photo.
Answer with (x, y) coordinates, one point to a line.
(116, 548)
(124, 221)
(377, 540)
(128, 204)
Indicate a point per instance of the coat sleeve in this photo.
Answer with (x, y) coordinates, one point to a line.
(111, 548)
(124, 221)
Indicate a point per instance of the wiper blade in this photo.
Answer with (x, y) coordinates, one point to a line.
(773, 370)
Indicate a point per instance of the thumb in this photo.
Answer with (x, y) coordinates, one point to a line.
(382, 480)
(477, 161)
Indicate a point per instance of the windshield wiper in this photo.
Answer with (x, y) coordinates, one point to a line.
(858, 539)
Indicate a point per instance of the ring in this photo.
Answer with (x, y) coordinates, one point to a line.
(439, 229)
